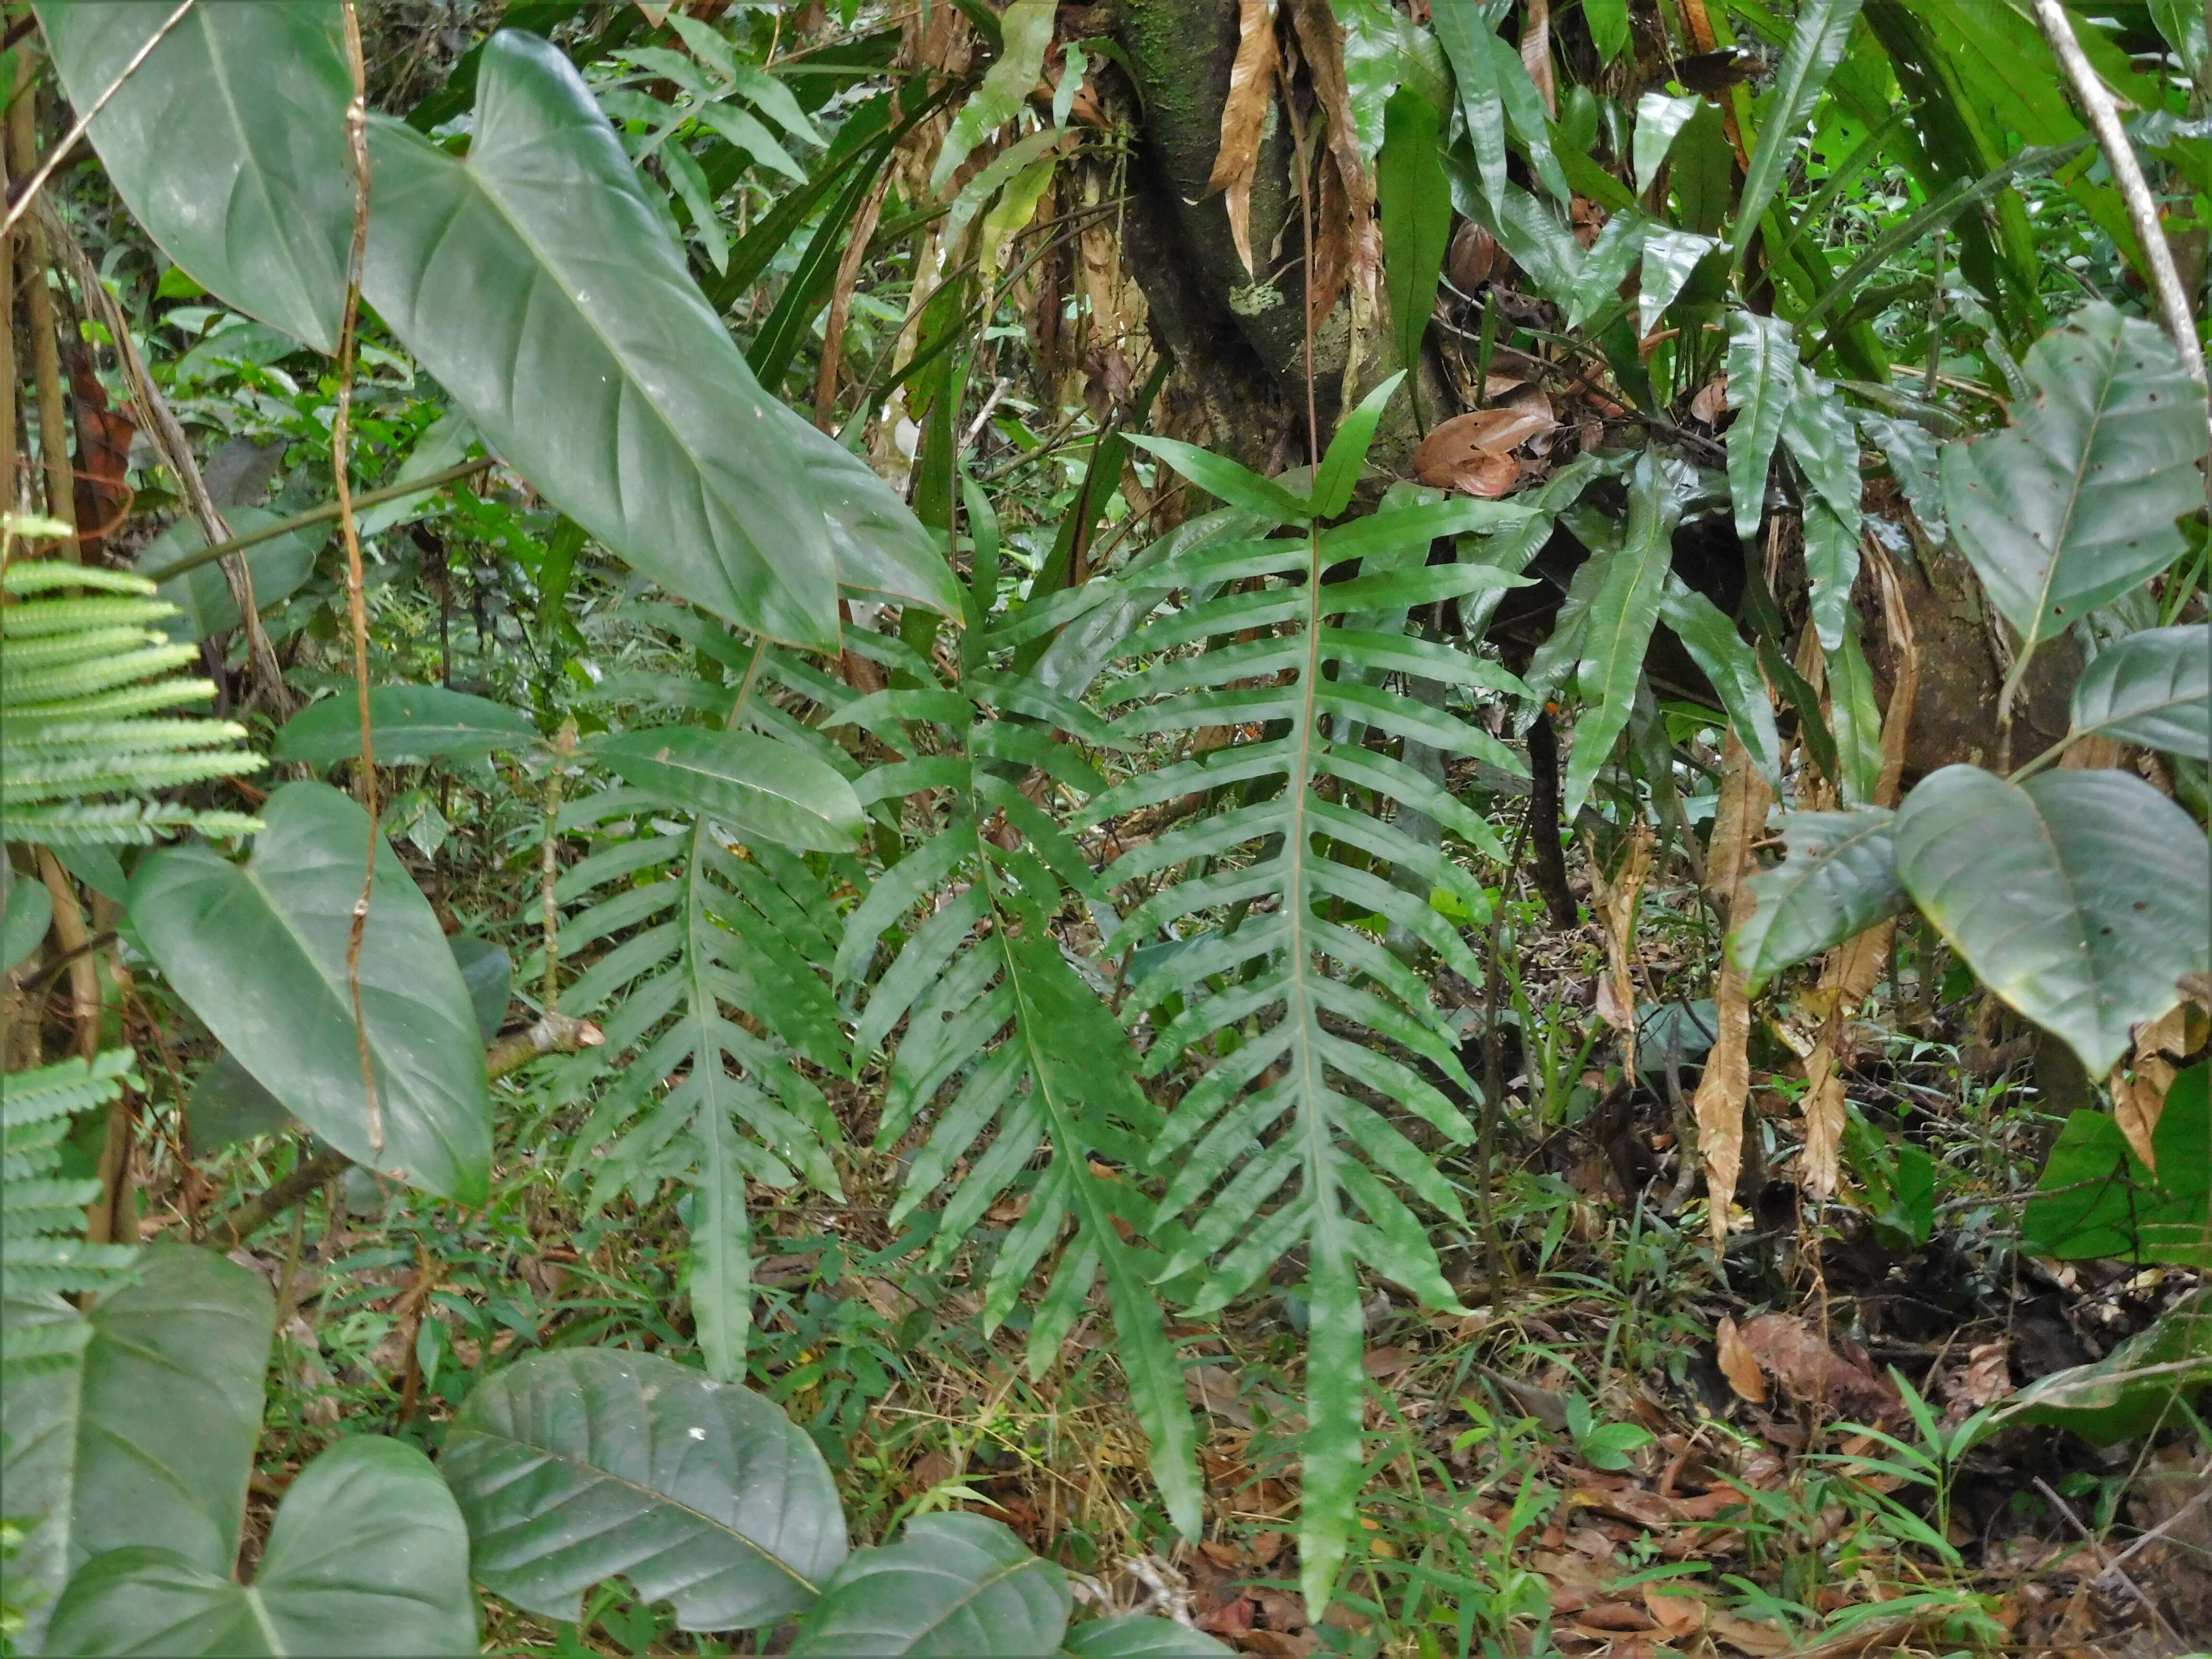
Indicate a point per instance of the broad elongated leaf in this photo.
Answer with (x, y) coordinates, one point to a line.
(259, 951)
(367, 1556)
(145, 1435)
(1025, 33)
(407, 722)
(960, 1586)
(2096, 1198)
(2153, 687)
(1237, 485)
(2133, 1389)
(1339, 474)
(1659, 121)
(573, 1467)
(488, 972)
(1623, 610)
(1762, 378)
(2076, 503)
(1840, 879)
(537, 282)
(1465, 32)
(755, 786)
(205, 605)
(1670, 257)
(1733, 667)
(1415, 202)
(228, 143)
(880, 547)
(2080, 897)
(1816, 46)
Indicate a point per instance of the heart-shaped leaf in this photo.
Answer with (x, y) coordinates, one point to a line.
(367, 1556)
(752, 786)
(573, 1467)
(1839, 879)
(536, 280)
(2074, 503)
(408, 723)
(228, 143)
(2080, 897)
(953, 1585)
(205, 605)
(2154, 688)
(145, 1435)
(259, 951)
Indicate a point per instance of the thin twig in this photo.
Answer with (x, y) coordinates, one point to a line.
(424, 485)
(2127, 172)
(21, 204)
(357, 120)
(2090, 1538)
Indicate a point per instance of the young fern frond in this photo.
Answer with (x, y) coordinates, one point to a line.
(1043, 1101)
(1288, 1142)
(82, 678)
(43, 1253)
(711, 956)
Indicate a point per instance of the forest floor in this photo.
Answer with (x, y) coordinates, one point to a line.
(1622, 1446)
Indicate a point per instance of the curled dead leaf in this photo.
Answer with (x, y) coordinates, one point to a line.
(1738, 824)
(1739, 1365)
(1791, 1351)
(1712, 400)
(1244, 118)
(1471, 452)
(1474, 257)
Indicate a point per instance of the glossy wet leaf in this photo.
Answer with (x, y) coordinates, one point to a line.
(1415, 204)
(1838, 879)
(1816, 46)
(227, 1105)
(2076, 503)
(2080, 897)
(2154, 688)
(259, 951)
(1623, 609)
(1762, 378)
(754, 787)
(1711, 639)
(573, 1467)
(536, 277)
(367, 1556)
(145, 1435)
(228, 144)
(951, 1585)
(407, 722)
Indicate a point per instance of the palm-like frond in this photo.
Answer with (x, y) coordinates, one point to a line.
(43, 1253)
(711, 956)
(994, 1009)
(82, 678)
(1284, 1144)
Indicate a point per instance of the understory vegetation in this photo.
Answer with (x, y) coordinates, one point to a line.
(1142, 829)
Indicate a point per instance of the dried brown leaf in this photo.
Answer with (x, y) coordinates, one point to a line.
(1470, 452)
(1712, 400)
(1739, 1365)
(1351, 215)
(1792, 1352)
(1536, 52)
(1617, 898)
(1244, 118)
(1739, 821)
(1475, 258)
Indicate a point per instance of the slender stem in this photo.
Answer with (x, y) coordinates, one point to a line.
(21, 204)
(323, 515)
(2135, 190)
(6, 354)
(45, 349)
(356, 119)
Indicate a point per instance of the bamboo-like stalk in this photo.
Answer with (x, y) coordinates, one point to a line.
(45, 347)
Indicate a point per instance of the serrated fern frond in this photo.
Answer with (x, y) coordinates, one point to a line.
(80, 678)
(710, 959)
(1260, 931)
(43, 1252)
(1043, 1105)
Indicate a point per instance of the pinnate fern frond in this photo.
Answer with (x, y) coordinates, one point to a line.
(1267, 910)
(1043, 1105)
(82, 678)
(43, 1252)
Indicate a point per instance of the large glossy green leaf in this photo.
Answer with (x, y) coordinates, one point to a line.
(2080, 897)
(205, 605)
(1762, 378)
(2097, 1199)
(144, 1436)
(537, 282)
(2074, 503)
(408, 723)
(959, 1586)
(2153, 687)
(1134, 1636)
(880, 547)
(573, 1467)
(1731, 664)
(1840, 879)
(1415, 200)
(1816, 46)
(1465, 32)
(259, 951)
(367, 1557)
(1623, 611)
(228, 144)
(752, 786)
